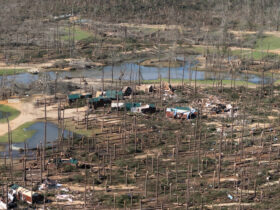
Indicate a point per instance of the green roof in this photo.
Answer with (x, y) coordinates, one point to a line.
(114, 94)
(14, 186)
(184, 108)
(74, 96)
(99, 98)
(128, 106)
(73, 161)
(88, 95)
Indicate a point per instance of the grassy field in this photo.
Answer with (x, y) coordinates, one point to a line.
(70, 125)
(80, 34)
(259, 52)
(20, 134)
(268, 43)
(200, 82)
(11, 71)
(13, 112)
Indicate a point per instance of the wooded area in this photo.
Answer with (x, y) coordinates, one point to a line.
(139, 104)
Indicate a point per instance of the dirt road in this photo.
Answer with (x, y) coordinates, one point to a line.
(31, 113)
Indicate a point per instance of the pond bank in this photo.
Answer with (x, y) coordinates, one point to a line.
(8, 110)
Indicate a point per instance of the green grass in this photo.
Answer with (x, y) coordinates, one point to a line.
(80, 34)
(256, 55)
(277, 82)
(259, 52)
(11, 71)
(71, 127)
(268, 43)
(13, 112)
(19, 134)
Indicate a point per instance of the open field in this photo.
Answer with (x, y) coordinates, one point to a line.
(79, 34)
(203, 83)
(7, 72)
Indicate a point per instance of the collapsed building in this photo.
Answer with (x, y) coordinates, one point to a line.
(75, 97)
(20, 193)
(181, 113)
(134, 107)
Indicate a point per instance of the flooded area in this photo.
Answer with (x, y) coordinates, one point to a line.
(53, 132)
(130, 71)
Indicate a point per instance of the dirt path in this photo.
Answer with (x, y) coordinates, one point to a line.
(27, 114)
(31, 113)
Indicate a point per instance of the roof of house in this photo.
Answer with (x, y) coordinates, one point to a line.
(113, 94)
(74, 96)
(128, 106)
(184, 108)
(15, 186)
(99, 98)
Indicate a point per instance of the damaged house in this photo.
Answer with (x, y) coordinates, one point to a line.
(181, 113)
(25, 195)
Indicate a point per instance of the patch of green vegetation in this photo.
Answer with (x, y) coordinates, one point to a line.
(200, 82)
(11, 71)
(277, 82)
(12, 112)
(253, 54)
(68, 168)
(88, 133)
(20, 134)
(79, 34)
(268, 43)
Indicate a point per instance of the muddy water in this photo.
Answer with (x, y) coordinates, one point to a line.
(130, 71)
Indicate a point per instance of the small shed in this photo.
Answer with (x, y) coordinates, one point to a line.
(99, 101)
(148, 108)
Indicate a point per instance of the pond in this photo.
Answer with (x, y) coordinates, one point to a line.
(52, 135)
(129, 71)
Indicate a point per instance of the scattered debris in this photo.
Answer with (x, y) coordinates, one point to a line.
(49, 184)
(65, 197)
(181, 113)
(25, 195)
